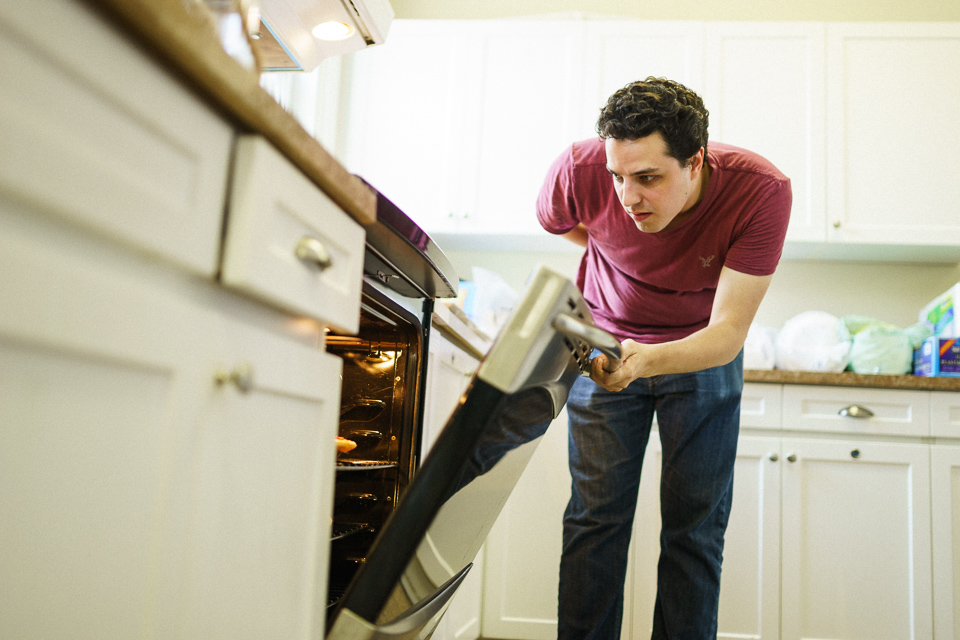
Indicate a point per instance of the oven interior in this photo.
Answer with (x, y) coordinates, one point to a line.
(379, 411)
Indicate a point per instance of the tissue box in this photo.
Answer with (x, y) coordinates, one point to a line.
(937, 356)
(941, 313)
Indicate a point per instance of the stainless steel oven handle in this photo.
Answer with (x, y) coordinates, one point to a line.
(594, 336)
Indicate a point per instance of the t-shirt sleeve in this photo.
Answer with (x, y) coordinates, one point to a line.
(757, 249)
(556, 205)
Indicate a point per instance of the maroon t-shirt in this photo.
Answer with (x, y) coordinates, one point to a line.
(657, 287)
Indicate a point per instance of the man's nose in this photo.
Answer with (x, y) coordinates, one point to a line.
(630, 196)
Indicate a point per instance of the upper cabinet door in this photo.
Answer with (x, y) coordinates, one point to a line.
(406, 106)
(94, 133)
(622, 51)
(764, 89)
(527, 97)
(892, 126)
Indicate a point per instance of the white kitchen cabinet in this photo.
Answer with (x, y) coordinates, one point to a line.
(263, 452)
(107, 140)
(857, 410)
(618, 52)
(829, 535)
(750, 582)
(458, 122)
(166, 445)
(888, 178)
(856, 540)
(92, 435)
(143, 495)
(945, 484)
(945, 414)
(407, 109)
(764, 88)
(522, 565)
(287, 243)
(448, 374)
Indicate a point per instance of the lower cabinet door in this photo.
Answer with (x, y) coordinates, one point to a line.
(263, 491)
(99, 366)
(856, 540)
(750, 582)
(522, 564)
(945, 475)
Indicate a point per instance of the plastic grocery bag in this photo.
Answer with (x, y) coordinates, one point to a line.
(883, 348)
(493, 302)
(813, 341)
(760, 348)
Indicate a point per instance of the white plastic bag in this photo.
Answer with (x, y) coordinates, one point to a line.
(494, 300)
(760, 348)
(813, 341)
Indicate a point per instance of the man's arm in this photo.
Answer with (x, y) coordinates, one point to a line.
(577, 235)
(737, 300)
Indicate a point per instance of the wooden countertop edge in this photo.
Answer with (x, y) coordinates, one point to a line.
(849, 379)
(182, 36)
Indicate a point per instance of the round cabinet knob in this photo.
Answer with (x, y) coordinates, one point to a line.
(774, 457)
(836, 224)
(311, 251)
(241, 377)
(792, 457)
(855, 454)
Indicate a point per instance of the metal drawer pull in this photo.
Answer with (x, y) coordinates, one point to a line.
(312, 251)
(773, 457)
(855, 454)
(241, 376)
(855, 411)
(792, 457)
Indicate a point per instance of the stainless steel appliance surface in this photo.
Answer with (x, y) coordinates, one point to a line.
(409, 530)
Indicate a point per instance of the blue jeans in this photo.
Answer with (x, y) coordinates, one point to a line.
(698, 415)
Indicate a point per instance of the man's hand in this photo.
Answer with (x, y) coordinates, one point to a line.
(631, 367)
(736, 302)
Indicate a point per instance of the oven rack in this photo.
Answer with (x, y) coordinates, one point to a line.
(355, 465)
(342, 530)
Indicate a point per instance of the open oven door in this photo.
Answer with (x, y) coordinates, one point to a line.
(427, 545)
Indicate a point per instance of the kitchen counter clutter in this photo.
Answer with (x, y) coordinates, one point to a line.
(850, 379)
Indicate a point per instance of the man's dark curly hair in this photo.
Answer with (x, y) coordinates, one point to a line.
(657, 105)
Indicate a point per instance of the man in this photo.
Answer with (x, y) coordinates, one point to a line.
(681, 245)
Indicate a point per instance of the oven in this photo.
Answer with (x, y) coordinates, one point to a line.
(406, 531)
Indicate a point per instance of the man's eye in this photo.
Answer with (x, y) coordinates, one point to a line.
(648, 179)
(617, 179)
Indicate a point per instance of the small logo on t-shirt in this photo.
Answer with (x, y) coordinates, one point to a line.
(706, 261)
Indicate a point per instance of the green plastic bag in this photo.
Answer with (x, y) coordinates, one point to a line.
(882, 348)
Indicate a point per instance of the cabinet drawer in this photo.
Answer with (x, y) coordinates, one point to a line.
(945, 415)
(274, 212)
(868, 411)
(760, 406)
(95, 133)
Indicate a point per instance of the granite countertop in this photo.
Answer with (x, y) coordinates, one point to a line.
(182, 37)
(849, 379)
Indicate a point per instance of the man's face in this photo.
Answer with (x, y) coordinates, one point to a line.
(653, 187)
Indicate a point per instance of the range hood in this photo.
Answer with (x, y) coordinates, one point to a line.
(287, 41)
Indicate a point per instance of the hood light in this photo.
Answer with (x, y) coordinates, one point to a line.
(333, 31)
